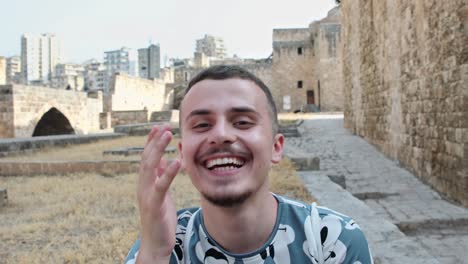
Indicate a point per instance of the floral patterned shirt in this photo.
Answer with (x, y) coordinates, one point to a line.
(292, 240)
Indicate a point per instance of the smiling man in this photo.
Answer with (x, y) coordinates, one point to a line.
(229, 140)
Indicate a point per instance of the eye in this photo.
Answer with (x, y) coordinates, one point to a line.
(243, 124)
(201, 125)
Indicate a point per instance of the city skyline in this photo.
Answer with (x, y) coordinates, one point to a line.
(89, 28)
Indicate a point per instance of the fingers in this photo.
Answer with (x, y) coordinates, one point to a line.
(158, 139)
(151, 134)
(155, 136)
(161, 167)
(156, 150)
(162, 183)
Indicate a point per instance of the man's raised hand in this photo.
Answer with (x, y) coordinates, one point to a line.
(157, 210)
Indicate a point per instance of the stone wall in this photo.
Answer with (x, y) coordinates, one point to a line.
(263, 71)
(293, 69)
(328, 61)
(290, 34)
(6, 112)
(183, 75)
(133, 93)
(405, 71)
(128, 117)
(26, 105)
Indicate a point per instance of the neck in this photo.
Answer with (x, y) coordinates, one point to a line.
(251, 222)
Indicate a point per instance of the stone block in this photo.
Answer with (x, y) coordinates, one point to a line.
(304, 163)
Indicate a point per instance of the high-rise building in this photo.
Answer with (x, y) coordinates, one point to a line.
(211, 46)
(39, 55)
(149, 61)
(124, 60)
(13, 70)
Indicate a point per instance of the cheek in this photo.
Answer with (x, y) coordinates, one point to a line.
(259, 139)
(190, 146)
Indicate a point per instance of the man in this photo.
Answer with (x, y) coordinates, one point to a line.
(229, 140)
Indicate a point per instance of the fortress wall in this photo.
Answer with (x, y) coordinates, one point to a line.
(329, 64)
(405, 71)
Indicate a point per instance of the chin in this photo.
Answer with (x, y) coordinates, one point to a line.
(227, 200)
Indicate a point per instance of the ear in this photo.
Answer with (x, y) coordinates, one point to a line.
(278, 144)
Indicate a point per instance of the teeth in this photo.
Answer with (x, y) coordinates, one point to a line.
(223, 161)
(224, 168)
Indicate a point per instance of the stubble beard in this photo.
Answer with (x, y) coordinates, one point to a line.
(227, 201)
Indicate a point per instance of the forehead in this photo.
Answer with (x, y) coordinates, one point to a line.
(228, 93)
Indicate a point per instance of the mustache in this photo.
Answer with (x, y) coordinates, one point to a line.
(231, 149)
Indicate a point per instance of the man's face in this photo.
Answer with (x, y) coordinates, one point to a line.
(227, 145)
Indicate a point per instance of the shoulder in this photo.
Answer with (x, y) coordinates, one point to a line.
(343, 236)
(340, 235)
(292, 205)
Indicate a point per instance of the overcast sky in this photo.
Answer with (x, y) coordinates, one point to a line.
(87, 28)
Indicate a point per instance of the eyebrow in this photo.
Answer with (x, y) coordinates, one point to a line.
(243, 110)
(201, 112)
(198, 112)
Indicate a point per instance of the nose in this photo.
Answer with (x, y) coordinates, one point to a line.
(222, 133)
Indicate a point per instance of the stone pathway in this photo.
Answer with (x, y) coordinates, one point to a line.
(404, 219)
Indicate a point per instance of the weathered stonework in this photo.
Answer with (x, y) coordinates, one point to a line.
(130, 93)
(22, 107)
(6, 112)
(130, 98)
(306, 66)
(328, 61)
(128, 117)
(262, 70)
(293, 70)
(405, 71)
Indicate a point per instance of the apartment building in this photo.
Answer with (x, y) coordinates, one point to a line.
(211, 46)
(149, 62)
(39, 56)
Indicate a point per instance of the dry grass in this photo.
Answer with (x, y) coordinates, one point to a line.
(90, 218)
(82, 218)
(285, 181)
(67, 219)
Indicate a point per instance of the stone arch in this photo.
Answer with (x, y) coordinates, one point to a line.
(53, 122)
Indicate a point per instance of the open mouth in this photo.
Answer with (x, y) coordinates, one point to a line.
(222, 164)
